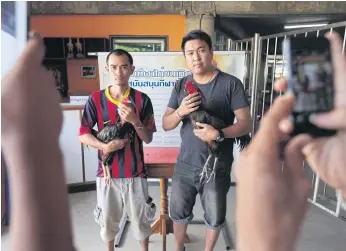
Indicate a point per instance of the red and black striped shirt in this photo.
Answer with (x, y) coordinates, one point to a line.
(101, 109)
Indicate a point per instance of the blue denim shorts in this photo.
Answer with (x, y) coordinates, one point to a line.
(185, 187)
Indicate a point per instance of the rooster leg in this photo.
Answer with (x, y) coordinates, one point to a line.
(105, 168)
(108, 178)
(106, 174)
(204, 173)
(214, 170)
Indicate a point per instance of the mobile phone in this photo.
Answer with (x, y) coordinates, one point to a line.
(310, 78)
(14, 32)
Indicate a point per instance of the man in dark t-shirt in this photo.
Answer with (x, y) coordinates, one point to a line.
(222, 95)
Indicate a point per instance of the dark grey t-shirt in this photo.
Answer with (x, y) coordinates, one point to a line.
(221, 97)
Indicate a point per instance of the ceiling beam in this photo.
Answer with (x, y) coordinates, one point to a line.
(231, 28)
(232, 8)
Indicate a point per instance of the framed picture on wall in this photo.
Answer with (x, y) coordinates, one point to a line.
(139, 43)
(88, 71)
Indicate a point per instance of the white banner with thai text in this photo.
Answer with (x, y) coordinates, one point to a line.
(156, 74)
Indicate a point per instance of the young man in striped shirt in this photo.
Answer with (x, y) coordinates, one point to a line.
(127, 182)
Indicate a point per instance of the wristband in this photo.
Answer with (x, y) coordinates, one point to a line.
(177, 113)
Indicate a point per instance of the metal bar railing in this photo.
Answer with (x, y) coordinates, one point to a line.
(243, 40)
(283, 60)
(321, 191)
(254, 78)
(306, 30)
(273, 71)
(240, 43)
(229, 44)
(344, 42)
(265, 79)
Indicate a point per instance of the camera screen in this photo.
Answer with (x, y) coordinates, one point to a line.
(311, 75)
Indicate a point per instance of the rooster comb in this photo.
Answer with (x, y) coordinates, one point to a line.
(190, 87)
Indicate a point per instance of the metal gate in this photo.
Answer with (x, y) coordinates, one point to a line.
(266, 64)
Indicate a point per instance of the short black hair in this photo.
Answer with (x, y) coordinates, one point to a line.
(196, 34)
(120, 52)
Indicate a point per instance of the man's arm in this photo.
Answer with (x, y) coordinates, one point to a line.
(242, 126)
(144, 133)
(92, 141)
(31, 188)
(88, 121)
(145, 126)
(170, 119)
(175, 112)
(40, 218)
(240, 107)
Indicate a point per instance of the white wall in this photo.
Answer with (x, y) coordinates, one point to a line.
(12, 46)
(71, 147)
(72, 151)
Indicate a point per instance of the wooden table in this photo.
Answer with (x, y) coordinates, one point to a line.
(163, 225)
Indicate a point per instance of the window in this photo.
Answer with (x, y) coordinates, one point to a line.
(138, 44)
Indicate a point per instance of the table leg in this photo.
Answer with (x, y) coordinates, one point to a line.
(156, 227)
(164, 210)
(163, 224)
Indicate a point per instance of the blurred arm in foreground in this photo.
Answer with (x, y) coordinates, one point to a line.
(31, 125)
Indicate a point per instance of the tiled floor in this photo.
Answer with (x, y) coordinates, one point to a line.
(321, 231)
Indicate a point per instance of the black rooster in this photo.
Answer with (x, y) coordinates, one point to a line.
(215, 149)
(112, 132)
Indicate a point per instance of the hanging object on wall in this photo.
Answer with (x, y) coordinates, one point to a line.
(88, 71)
(79, 49)
(58, 75)
(70, 49)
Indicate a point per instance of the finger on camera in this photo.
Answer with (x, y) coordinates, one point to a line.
(294, 157)
(34, 50)
(334, 119)
(269, 131)
(286, 126)
(280, 85)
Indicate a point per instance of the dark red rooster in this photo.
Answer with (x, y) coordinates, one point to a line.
(215, 148)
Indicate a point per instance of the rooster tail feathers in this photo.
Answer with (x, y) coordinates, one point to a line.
(243, 141)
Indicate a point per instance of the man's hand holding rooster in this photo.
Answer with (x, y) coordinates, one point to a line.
(128, 114)
(206, 132)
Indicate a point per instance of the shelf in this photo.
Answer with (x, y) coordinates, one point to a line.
(57, 47)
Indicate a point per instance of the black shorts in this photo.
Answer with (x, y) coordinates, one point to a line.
(185, 187)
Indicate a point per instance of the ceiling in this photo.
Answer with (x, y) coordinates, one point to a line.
(240, 27)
